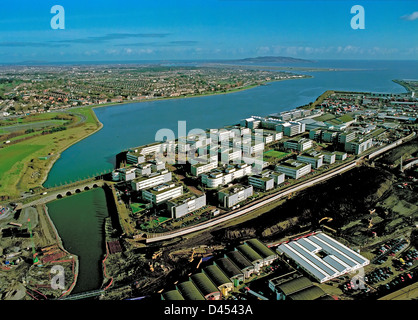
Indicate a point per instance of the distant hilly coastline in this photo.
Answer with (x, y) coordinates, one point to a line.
(275, 59)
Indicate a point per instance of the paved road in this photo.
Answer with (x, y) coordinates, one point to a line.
(252, 206)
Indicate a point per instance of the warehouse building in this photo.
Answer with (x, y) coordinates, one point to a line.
(245, 266)
(299, 288)
(252, 256)
(265, 252)
(218, 277)
(172, 295)
(185, 204)
(233, 195)
(285, 287)
(189, 291)
(337, 258)
(311, 293)
(206, 286)
(293, 168)
(230, 270)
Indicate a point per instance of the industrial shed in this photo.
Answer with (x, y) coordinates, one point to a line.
(172, 295)
(286, 288)
(311, 293)
(230, 270)
(206, 286)
(252, 256)
(189, 291)
(268, 255)
(221, 281)
(322, 257)
(241, 262)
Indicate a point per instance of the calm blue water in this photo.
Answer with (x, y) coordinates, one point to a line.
(136, 124)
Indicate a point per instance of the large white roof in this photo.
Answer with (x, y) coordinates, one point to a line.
(337, 259)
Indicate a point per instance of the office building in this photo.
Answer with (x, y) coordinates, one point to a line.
(152, 180)
(293, 168)
(162, 192)
(302, 144)
(234, 195)
(315, 158)
(185, 204)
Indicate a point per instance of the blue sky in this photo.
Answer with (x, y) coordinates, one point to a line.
(104, 30)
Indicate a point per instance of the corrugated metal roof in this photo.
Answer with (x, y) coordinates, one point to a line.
(310, 293)
(249, 253)
(230, 269)
(339, 258)
(313, 258)
(204, 284)
(336, 263)
(216, 275)
(239, 260)
(172, 295)
(351, 253)
(312, 268)
(294, 285)
(189, 291)
(261, 248)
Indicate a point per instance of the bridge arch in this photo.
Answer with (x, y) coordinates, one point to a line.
(68, 193)
(59, 196)
(86, 188)
(77, 191)
(95, 185)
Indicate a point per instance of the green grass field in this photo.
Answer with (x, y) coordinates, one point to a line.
(20, 167)
(137, 207)
(275, 154)
(9, 156)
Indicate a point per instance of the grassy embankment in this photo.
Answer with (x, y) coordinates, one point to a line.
(25, 164)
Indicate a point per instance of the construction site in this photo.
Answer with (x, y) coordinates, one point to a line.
(33, 258)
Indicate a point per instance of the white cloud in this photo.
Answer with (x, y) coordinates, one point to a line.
(410, 17)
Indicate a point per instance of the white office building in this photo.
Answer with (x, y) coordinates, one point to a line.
(162, 192)
(154, 179)
(219, 177)
(315, 158)
(294, 169)
(233, 195)
(302, 144)
(199, 168)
